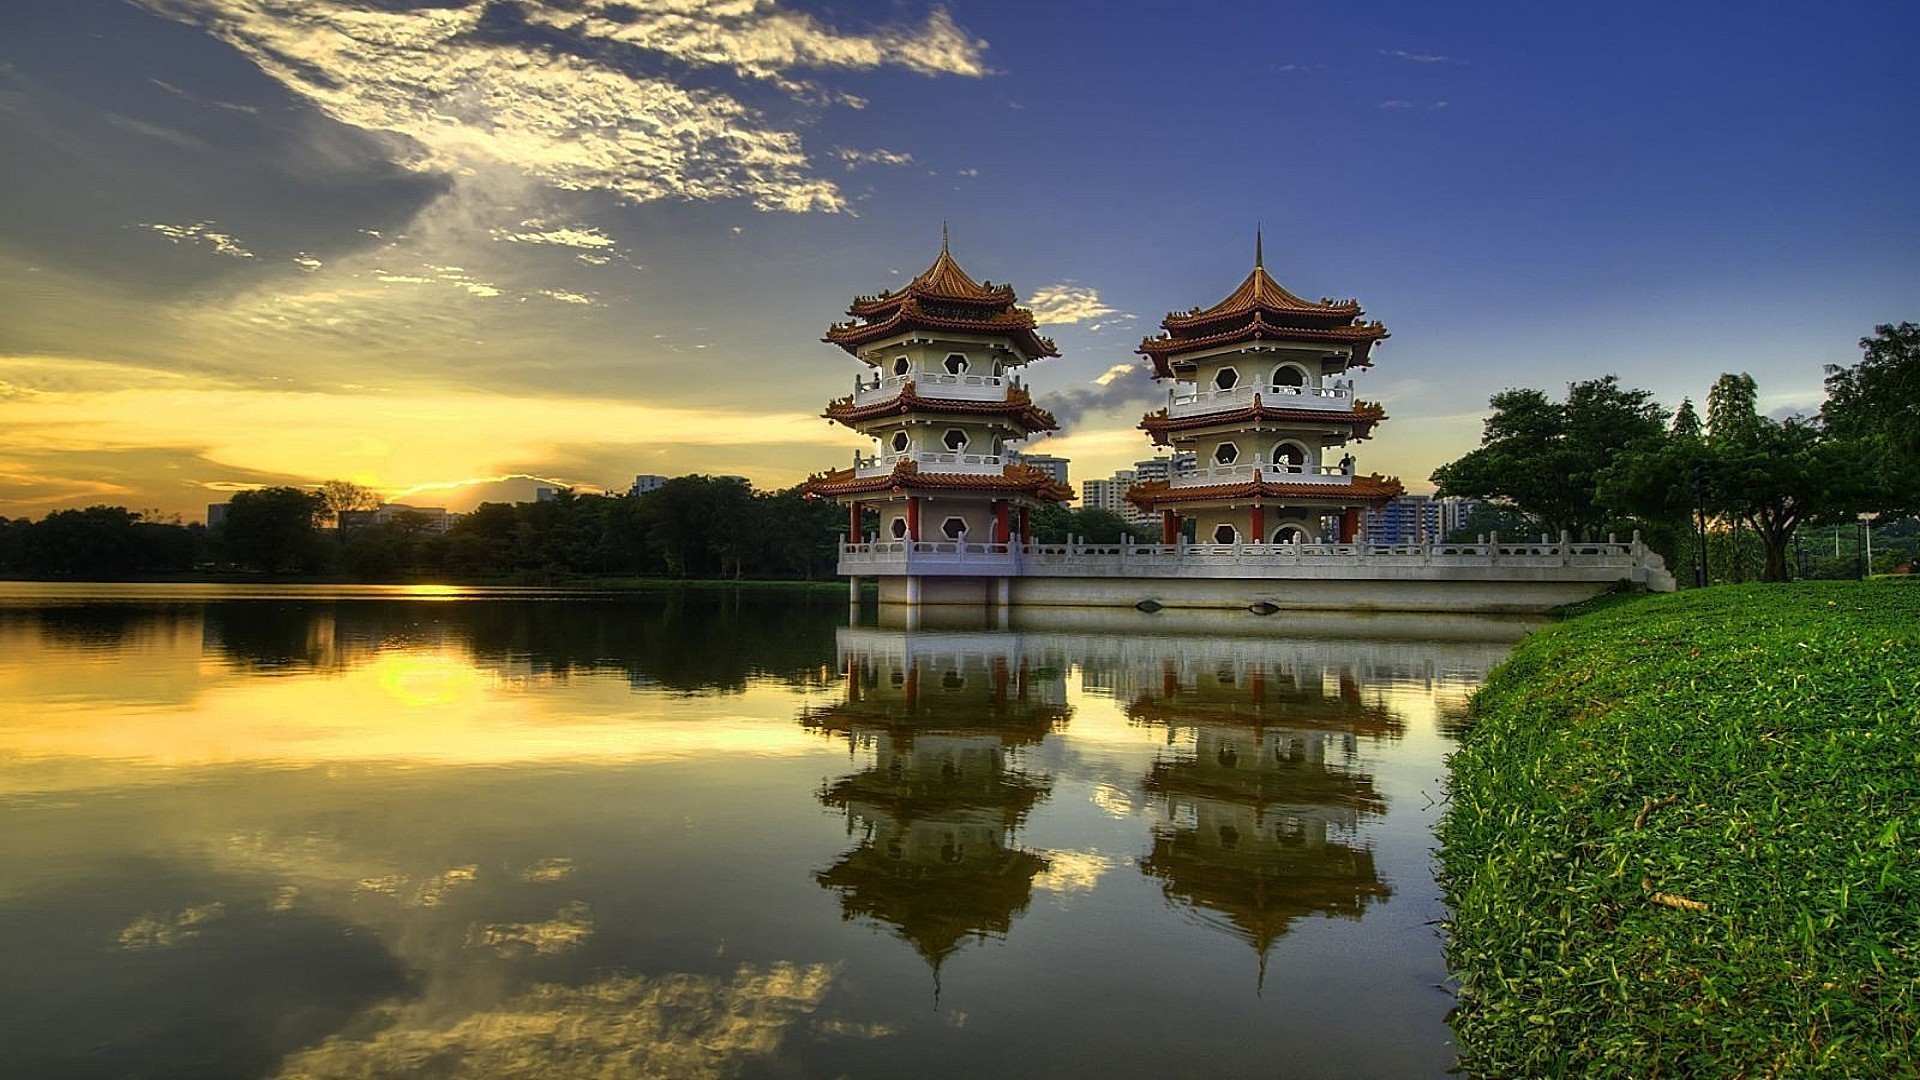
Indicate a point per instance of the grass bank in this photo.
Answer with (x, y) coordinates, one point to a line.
(1683, 839)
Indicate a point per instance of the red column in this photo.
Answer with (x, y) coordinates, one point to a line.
(1026, 527)
(1349, 525)
(1259, 522)
(1169, 527)
(853, 523)
(913, 517)
(1000, 532)
(913, 685)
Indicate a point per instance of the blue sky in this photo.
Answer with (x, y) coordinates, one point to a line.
(423, 243)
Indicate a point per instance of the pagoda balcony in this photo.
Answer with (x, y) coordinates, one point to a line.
(937, 385)
(1273, 473)
(929, 461)
(1201, 402)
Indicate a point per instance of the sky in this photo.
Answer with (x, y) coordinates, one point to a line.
(451, 249)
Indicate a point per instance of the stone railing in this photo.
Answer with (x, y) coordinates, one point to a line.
(1198, 402)
(970, 464)
(938, 385)
(1208, 475)
(1491, 558)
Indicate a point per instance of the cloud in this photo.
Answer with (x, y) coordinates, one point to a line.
(569, 94)
(1396, 104)
(120, 415)
(1066, 303)
(1419, 58)
(201, 232)
(855, 158)
(1122, 387)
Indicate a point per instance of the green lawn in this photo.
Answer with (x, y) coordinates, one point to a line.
(1683, 839)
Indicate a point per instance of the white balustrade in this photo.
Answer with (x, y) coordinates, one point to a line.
(937, 385)
(1200, 402)
(1271, 472)
(1492, 556)
(929, 461)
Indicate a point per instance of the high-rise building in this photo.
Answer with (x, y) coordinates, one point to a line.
(1407, 519)
(646, 482)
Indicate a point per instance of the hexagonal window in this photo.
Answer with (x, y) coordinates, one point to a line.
(1225, 534)
(902, 365)
(955, 528)
(956, 363)
(1226, 378)
(901, 442)
(955, 439)
(1226, 453)
(899, 528)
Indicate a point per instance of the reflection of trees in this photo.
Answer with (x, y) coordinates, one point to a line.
(684, 641)
(946, 719)
(87, 626)
(1262, 800)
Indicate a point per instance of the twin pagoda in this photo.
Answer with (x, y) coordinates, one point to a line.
(940, 505)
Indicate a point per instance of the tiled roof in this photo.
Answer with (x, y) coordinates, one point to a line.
(1261, 309)
(1362, 417)
(1364, 490)
(943, 297)
(1018, 408)
(907, 477)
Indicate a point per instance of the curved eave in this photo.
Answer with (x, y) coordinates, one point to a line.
(1160, 425)
(1260, 292)
(1015, 324)
(1165, 350)
(943, 281)
(1019, 410)
(907, 477)
(1363, 491)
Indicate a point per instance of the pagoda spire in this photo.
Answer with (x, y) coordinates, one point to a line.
(1259, 256)
(943, 238)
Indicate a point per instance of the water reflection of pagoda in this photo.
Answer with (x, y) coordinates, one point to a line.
(945, 720)
(1261, 792)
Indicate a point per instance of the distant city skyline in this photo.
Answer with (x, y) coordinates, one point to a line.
(453, 250)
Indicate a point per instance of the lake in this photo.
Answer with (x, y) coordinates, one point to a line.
(329, 832)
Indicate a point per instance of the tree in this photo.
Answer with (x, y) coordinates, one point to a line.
(345, 495)
(1544, 458)
(274, 529)
(1746, 470)
(1875, 406)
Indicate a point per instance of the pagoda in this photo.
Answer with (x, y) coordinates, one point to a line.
(945, 721)
(1263, 399)
(942, 403)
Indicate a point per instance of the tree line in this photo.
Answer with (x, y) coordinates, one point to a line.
(689, 527)
(1609, 458)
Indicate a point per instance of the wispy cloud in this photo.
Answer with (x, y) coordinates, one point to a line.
(1066, 303)
(855, 158)
(557, 93)
(201, 232)
(1419, 58)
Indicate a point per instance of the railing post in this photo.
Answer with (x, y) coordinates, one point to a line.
(1493, 546)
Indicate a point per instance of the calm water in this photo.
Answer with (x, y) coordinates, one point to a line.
(352, 832)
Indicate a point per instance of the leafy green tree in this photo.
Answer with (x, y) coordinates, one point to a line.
(1875, 405)
(1746, 471)
(1544, 457)
(274, 530)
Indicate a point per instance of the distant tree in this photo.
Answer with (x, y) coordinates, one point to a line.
(1875, 407)
(274, 530)
(1745, 471)
(1054, 523)
(345, 495)
(1544, 457)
